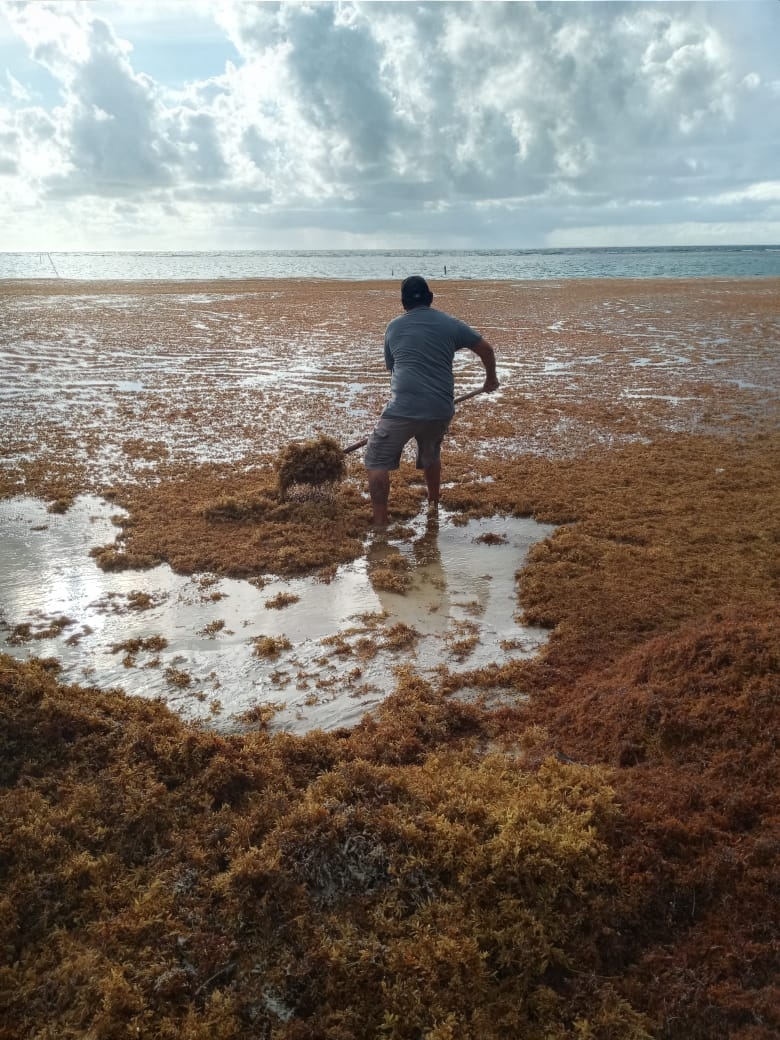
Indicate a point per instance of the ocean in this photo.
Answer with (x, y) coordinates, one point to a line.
(371, 265)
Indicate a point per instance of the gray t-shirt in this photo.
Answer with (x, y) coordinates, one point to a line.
(419, 348)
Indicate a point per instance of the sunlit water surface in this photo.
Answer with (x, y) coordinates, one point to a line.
(343, 635)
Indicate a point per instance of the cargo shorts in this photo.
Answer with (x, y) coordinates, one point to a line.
(387, 442)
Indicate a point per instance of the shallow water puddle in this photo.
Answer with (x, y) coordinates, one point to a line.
(214, 648)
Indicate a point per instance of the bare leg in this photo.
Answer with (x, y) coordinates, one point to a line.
(433, 481)
(379, 489)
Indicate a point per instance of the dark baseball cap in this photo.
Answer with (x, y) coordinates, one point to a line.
(415, 291)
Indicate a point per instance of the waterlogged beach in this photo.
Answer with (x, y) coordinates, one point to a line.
(508, 770)
(125, 383)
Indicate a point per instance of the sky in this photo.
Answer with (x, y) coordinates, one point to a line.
(195, 125)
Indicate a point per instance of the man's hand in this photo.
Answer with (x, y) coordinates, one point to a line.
(487, 356)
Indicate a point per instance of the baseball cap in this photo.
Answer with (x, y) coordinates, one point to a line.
(414, 291)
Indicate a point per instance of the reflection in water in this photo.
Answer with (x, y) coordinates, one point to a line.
(341, 660)
(429, 568)
(425, 606)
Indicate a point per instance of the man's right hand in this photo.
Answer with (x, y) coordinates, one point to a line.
(487, 356)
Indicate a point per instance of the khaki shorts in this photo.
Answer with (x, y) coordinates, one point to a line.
(387, 442)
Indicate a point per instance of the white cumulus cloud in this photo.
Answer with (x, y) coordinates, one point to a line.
(387, 123)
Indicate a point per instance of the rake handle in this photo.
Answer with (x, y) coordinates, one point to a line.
(463, 397)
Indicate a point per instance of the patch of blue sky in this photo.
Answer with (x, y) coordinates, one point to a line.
(24, 82)
(174, 65)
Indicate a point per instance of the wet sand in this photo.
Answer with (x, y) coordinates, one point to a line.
(596, 844)
(107, 383)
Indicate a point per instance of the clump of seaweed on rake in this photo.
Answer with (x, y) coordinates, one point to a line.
(318, 461)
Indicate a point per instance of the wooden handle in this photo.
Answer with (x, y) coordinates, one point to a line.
(463, 397)
(356, 445)
(471, 393)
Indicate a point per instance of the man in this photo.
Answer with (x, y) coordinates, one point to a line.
(420, 346)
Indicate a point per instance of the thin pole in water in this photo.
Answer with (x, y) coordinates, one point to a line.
(57, 273)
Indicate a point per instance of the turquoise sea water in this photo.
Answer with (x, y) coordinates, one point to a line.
(368, 265)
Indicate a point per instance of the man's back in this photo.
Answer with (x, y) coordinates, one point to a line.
(419, 348)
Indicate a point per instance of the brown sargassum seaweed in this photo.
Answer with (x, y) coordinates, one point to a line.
(594, 860)
(317, 461)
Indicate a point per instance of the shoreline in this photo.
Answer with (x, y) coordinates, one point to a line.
(9, 286)
(433, 264)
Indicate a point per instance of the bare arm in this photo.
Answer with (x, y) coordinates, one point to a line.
(487, 356)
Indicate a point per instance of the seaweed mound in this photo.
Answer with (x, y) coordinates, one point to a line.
(317, 461)
(164, 881)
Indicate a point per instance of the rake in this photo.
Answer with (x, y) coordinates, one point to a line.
(321, 461)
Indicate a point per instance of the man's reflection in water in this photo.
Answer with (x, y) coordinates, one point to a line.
(425, 605)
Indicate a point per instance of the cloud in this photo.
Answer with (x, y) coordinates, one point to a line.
(766, 191)
(195, 138)
(499, 101)
(105, 127)
(435, 123)
(681, 233)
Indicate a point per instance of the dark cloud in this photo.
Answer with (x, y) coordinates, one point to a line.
(335, 72)
(501, 100)
(196, 139)
(109, 123)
